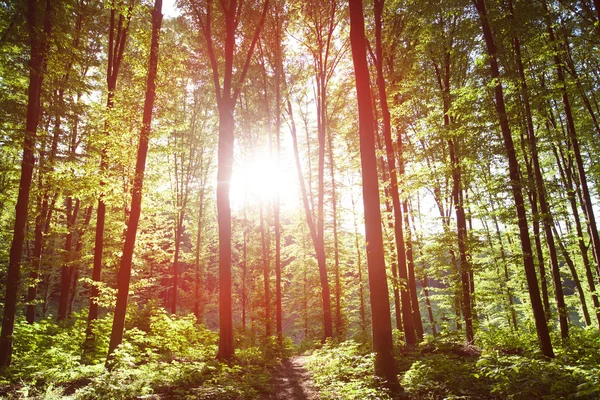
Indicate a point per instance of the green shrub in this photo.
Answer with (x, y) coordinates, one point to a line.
(440, 376)
(343, 371)
(518, 377)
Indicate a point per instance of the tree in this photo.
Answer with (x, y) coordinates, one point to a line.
(117, 38)
(118, 326)
(39, 42)
(226, 94)
(516, 186)
(380, 306)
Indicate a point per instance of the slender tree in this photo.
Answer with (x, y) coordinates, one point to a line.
(516, 186)
(118, 32)
(38, 41)
(380, 306)
(227, 94)
(124, 277)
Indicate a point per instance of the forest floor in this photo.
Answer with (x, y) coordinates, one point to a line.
(291, 381)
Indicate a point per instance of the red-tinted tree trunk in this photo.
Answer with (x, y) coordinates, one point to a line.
(124, 276)
(116, 47)
(407, 318)
(276, 212)
(266, 272)
(226, 96)
(380, 306)
(38, 53)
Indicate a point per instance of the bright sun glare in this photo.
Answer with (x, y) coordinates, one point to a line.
(257, 178)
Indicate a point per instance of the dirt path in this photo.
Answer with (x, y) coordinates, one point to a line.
(291, 381)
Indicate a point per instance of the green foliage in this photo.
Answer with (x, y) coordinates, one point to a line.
(344, 371)
(518, 377)
(508, 367)
(439, 376)
(161, 354)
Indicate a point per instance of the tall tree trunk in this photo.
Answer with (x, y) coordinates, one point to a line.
(63, 302)
(361, 294)
(392, 248)
(38, 42)
(574, 275)
(567, 179)
(516, 186)
(225, 164)
(339, 328)
(227, 97)
(410, 263)
(541, 191)
(276, 211)
(198, 292)
(380, 306)
(457, 196)
(124, 277)
(572, 135)
(116, 47)
(266, 272)
(407, 317)
(319, 250)
(509, 293)
(74, 267)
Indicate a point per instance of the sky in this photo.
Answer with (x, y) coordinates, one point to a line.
(169, 9)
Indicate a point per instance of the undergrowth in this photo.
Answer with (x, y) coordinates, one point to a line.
(344, 371)
(507, 365)
(161, 356)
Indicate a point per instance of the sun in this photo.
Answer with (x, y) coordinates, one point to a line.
(258, 178)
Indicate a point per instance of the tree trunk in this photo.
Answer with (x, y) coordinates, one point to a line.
(38, 41)
(339, 328)
(541, 191)
(567, 179)
(457, 196)
(361, 294)
(74, 267)
(516, 186)
(407, 318)
(319, 249)
(266, 273)
(278, 72)
(124, 276)
(68, 259)
(116, 47)
(574, 275)
(572, 134)
(380, 306)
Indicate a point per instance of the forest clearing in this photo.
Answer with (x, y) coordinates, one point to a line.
(281, 199)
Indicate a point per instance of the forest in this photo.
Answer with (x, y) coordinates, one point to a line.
(282, 199)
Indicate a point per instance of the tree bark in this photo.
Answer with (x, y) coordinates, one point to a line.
(380, 306)
(266, 272)
(319, 250)
(407, 317)
(124, 276)
(227, 97)
(567, 179)
(116, 47)
(572, 135)
(63, 302)
(516, 186)
(38, 53)
(541, 191)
